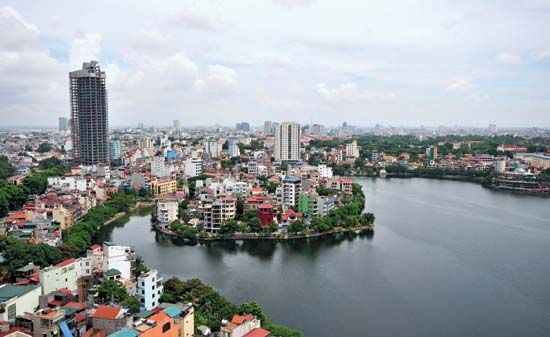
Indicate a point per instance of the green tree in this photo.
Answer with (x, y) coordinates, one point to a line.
(44, 147)
(296, 227)
(110, 290)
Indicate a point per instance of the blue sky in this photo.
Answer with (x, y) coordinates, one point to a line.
(213, 61)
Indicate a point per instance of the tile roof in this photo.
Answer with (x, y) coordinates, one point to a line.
(106, 312)
(126, 332)
(66, 262)
(258, 332)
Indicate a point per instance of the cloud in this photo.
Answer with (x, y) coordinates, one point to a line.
(508, 58)
(293, 3)
(84, 47)
(192, 20)
(33, 86)
(221, 76)
(351, 92)
(545, 55)
(460, 86)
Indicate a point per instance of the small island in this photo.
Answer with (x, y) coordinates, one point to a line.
(331, 205)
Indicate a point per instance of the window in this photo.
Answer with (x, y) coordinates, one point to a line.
(166, 327)
(11, 311)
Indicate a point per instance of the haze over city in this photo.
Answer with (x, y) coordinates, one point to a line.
(208, 62)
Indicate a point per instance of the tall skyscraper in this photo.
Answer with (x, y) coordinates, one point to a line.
(268, 128)
(63, 124)
(90, 125)
(176, 124)
(287, 142)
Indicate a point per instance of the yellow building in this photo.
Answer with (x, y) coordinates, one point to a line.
(164, 186)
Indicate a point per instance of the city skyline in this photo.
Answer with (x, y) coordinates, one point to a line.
(472, 63)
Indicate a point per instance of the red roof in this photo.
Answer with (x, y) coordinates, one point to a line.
(265, 206)
(237, 319)
(76, 305)
(94, 247)
(55, 303)
(66, 262)
(106, 312)
(79, 317)
(258, 332)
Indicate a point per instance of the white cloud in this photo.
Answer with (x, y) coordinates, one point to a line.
(508, 58)
(10, 14)
(85, 47)
(192, 20)
(545, 55)
(293, 3)
(460, 86)
(351, 92)
(222, 75)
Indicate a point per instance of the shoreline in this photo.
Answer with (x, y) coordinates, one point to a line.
(255, 236)
(475, 180)
(139, 205)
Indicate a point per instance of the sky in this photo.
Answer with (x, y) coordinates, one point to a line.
(207, 62)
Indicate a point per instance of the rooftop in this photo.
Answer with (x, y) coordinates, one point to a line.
(9, 291)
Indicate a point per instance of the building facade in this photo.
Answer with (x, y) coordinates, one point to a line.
(287, 142)
(89, 118)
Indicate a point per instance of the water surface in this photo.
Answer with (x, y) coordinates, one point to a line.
(446, 259)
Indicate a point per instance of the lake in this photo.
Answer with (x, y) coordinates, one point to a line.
(446, 259)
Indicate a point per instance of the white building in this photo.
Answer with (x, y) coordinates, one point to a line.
(213, 148)
(500, 165)
(218, 212)
(17, 300)
(149, 289)
(119, 258)
(233, 148)
(352, 151)
(159, 168)
(253, 167)
(324, 171)
(288, 192)
(287, 142)
(193, 167)
(167, 210)
(62, 275)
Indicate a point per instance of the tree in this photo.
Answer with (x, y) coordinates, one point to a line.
(273, 227)
(50, 163)
(296, 227)
(131, 303)
(254, 309)
(229, 227)
(44, 147)
(140, 267)
(6, 169)
(255, 225)
(111, 290)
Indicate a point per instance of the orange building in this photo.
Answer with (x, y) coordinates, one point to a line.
(158, 325)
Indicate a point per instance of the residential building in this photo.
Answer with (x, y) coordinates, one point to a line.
(116, 149)
(167, 210)
(184, 315)
(324, 171)
(46, 322)
(213, 147)
(218, 212)
(63, 124)
(159, 168)
(16, 300)
(158, 325)
(110, 319)
(287, 142)
(164, 186)
(431, 152)
(119, 258)
(233, 148)
(268, 128)
(288, 192)
(239, 326)
(193, 167)
(149, 289)
(266, 214)
(352, 151)
(62, 275)
(89, 119)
